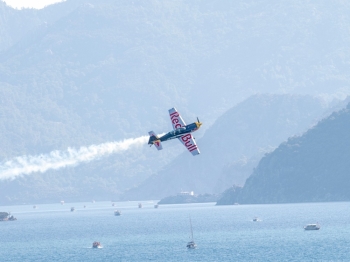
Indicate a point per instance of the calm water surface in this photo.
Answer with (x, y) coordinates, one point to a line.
(222, 233)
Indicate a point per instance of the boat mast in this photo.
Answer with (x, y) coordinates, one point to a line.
(191, 229)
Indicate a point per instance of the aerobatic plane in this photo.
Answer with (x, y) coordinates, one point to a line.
(181, 131)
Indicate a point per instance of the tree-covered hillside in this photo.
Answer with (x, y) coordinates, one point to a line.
(108, 64)
(307, 168)
(85, 72)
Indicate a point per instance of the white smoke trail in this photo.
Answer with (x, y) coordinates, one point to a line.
(25, 165)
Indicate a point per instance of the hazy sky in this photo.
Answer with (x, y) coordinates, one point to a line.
(30, 3)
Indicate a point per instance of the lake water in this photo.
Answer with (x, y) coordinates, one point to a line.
(222, 233)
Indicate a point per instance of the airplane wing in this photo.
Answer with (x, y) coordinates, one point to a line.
(176, 119)
(188, 141)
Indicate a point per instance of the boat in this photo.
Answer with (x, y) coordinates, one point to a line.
(12, 218)
(140, 205)
(255, 219)
(4, 216)
(191, 244)
(72, 209)
(156, 206)
(96, 244)
(117, 212)
(312, 227)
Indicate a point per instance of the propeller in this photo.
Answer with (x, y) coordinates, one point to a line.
(198, 123)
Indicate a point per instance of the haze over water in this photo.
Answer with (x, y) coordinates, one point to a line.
(222, 233)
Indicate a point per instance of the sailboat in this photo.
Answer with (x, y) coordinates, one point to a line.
(191, 244)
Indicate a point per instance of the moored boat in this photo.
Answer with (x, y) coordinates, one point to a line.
(312, 227)
(4, 216)
(191, 244)
(117, 212)
(96, 244)
(12, 218)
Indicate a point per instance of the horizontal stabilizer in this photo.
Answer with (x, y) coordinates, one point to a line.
(154, 140)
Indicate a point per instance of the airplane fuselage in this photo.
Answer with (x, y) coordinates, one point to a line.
(179, 132)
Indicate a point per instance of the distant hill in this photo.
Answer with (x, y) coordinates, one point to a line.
(233, 145)
(17, 25)
(110, 68)
(85, 72)
(307, 168)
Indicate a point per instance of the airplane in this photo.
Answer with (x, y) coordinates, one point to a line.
(181, 131)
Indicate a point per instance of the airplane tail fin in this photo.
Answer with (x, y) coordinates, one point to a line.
(154, 140)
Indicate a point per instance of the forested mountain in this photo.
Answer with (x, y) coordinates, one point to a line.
(232, 147)
(307, 168)
(85, 72)
(17, 25)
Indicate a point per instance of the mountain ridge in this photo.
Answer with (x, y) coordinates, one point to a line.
(308, 168)
(85, 72)
(247, 128)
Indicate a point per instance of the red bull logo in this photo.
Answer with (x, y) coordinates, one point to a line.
(187, 139)
(174, 117)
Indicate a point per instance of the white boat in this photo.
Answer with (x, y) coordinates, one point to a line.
(96, 244)
(255, 219)
(312, 227)
(191, 244)
(117, 212)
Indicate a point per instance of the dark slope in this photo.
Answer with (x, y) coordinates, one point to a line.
(312, 167)
(238, 138)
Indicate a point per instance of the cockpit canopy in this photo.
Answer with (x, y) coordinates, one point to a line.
(177, 131)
